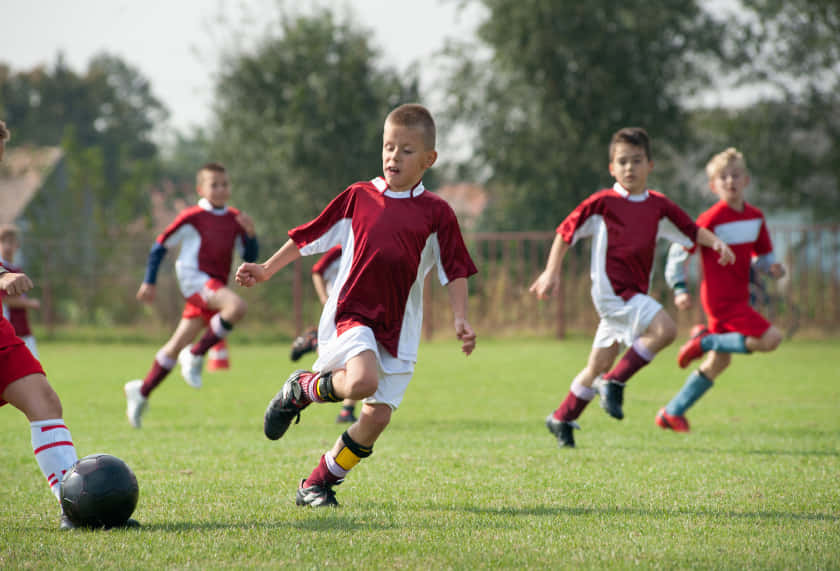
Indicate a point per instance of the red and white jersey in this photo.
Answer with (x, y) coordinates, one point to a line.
(390, 241)
(17, 316)
(7, 332)
(327, 266)
(746, 234)
(624, 229)
(208, 237)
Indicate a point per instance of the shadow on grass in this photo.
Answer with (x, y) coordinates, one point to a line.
(554, 511)
(319, 523)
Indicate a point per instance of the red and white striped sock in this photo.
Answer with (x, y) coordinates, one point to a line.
(54, 450)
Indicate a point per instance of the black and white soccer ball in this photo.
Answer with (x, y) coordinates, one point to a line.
(100, 490)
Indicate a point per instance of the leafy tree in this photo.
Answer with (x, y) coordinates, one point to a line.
(299, 117)
(550, 82)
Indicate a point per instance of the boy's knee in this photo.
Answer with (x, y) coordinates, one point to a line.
(376, 417)
(361, 387)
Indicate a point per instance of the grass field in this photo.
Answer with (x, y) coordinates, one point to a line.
(465, 477)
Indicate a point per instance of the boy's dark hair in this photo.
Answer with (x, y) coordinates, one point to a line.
(635, 136)
(416, 116)
(209, 167)
(9, 230)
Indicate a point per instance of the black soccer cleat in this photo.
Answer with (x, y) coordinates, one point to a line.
(612, 397)
(303, 344)
(346, 416)
(285, 406)
(316, 495)
(562, 430)
(65, 524)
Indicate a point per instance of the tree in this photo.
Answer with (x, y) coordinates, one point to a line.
(300, 117)
(553, 80)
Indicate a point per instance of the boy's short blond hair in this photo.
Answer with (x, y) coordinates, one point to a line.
(9, 230)
(720, 161)
(208, 167)
(415, 116)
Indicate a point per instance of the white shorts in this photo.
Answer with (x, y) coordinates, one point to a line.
(394, 374)
(624, 321)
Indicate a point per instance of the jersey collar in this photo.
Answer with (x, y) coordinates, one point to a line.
(631, 197)
(204, 204)
(382, 187)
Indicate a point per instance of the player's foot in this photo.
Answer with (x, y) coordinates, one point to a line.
(672, 422)
(136, 402)
(562, 430)
(612, 398)
(191, 366)
(692, 349)
(698, 330)
(346, 415)
(65, 524)
(304, 344)
(316, 495)
(285, 406)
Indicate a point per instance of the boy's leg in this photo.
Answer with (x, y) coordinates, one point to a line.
(52, 443)
(230, 309)
(659, 334)
(350, 448)
(748, 331)
(672, 416)
(562, 421)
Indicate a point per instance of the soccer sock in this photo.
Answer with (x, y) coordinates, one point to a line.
(695, 385)
(572, 406)
(160, 368)
(318, 387)
(54, 450)
(333, 470)
(725, 343)
(218, 330)
(636, 357)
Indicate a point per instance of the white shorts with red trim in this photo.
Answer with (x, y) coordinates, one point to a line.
(624, 321)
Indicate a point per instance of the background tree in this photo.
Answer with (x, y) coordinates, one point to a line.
(300, 117)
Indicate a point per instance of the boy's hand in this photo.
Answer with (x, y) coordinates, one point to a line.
(682, 300)
(466, 335)
(249, 274)
(546, 285)
(247, 223)
(777, 270)
(15, 284)
(727, 256)
(146, 293)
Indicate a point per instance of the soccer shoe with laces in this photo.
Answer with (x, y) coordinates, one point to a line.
(692, 349)
(671, 422)
(612, 397)
(136, 402)
(285, 406)
(316, 495)
(562, 430)
(304, 344)
(191, 366)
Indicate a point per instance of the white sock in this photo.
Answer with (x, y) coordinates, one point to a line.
(54, 450)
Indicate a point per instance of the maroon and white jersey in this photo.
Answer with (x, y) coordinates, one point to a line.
(208, 237)
(390, 241)
(746, 234)
(327, 266)
(7, 332)
(624, 229)
(17, 316)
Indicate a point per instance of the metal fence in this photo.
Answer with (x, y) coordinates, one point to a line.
(97, 286)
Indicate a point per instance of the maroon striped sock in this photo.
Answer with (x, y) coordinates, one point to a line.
(321, 475)
(153, 378)
(629, 364)
(571, 407)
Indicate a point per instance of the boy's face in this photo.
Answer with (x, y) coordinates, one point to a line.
(214, 187)
(8, 247)
(404, 156)
(729, 184)
(630, 167)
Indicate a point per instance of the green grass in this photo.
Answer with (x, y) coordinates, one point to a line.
(465, 477)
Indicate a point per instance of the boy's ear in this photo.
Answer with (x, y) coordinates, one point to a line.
(431, 157)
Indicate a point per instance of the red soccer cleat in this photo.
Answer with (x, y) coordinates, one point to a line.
(692, 349)
(671, 422)
(698, 330)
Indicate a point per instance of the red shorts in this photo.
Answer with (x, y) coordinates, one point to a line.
(16, 362)
(738, 318)
(196, 305)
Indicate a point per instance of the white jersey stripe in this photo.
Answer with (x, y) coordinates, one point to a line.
(739, 232)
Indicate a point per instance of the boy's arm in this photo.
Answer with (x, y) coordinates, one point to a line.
(21, 301)
(250, 274)
(320, 287)
(147, 288)
(250, 246)
(458, 298)
(767, 264)
(548, 282)
(14, 284)
(675, 275)
(706, 237)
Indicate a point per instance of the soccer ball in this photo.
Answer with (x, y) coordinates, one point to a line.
(100, 490)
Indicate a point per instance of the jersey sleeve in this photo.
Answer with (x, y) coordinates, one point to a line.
(677, 226)
(324, 262)
(454, 261)
(581, 222)
(763, 245)
(329, 228)
(675, 274)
